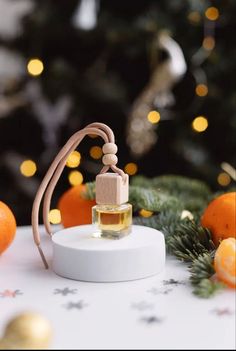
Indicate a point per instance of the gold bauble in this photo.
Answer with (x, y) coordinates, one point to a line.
(27, 331)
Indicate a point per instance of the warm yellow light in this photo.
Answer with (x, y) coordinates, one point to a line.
(223, 179)
(201, 90)
(75, 178)
(194, 17)
(154, 117)
(200, 124)
(28, 168)
(131, 168)
(54, 216)
(35, 67)
(145, 213)
(73, 160)
(212, 13)
(208, 43)
(96, 152)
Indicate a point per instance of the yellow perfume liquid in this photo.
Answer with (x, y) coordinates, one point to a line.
(112, 221)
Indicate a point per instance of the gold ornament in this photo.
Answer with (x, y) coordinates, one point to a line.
(27, 331)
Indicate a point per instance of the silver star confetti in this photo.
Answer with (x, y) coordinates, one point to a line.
(65, 291)
(75, 305)
(152, 320)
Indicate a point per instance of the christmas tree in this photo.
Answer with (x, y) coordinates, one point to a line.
(159, 73)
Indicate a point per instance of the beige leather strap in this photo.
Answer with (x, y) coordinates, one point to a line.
(53, 174)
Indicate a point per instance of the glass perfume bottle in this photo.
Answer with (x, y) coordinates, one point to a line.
(112, 216)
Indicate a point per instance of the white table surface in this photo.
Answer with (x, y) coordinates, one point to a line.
(154, 313)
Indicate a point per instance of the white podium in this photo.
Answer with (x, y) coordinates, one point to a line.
(80, 256)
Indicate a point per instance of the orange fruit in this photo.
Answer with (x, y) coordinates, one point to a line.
(220, 217)
(7, 227)
(225, 262)
(74, 208)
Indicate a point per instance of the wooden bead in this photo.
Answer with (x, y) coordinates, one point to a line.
(109, 148)
(109, 160)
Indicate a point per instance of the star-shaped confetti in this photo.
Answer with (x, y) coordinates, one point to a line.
(223, 312)
(65, 291)
(10, 293)
(142, 306)
(79, 305)
(156, 291)
(173, 282)
(152, 320)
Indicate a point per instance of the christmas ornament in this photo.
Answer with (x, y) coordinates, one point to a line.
(220, 217)
(141, 135)
(78, 252)
(28, 331)
(7, 227)
(75, 208)
(225, 262)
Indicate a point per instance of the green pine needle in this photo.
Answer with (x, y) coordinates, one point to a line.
(189, 241)
(90, 191)
(202, 268)
(206, 288)
(151, 200)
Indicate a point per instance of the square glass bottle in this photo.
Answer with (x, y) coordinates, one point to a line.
(112, 216)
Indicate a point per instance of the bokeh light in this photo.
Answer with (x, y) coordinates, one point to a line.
(28, 168)
(35, 67)
(208, 43)
(54, 216)
(201, 90)
(223, 179)
(145, 213)
(75, 178)
(200, 124)
(96, 152)
(131, 168)
(194, 17)
(154, 117)
(212, 13)
(73, 160)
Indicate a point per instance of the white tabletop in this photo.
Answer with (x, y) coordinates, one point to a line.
(154, 313)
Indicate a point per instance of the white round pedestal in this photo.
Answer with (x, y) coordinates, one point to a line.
(77, 255)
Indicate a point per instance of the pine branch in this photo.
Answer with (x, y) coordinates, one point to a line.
(176, 185)
(166, 221)
(90, 191)
(202, 268)
(201, 272)
(189, 241)
(151, 200)
(206, 288)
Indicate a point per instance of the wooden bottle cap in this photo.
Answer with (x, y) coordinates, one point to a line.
(111, 189)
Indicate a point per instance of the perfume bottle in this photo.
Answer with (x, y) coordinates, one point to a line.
(112, 216)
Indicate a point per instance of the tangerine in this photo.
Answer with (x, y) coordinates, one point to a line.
(7, 227)
(220, 217)
(225, 262)
(75, 208)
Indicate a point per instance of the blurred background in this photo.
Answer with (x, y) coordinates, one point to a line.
(160, 73)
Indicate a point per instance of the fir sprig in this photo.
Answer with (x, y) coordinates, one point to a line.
(189, 241)
(151, 200)
(202, 268)
(207, 288)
